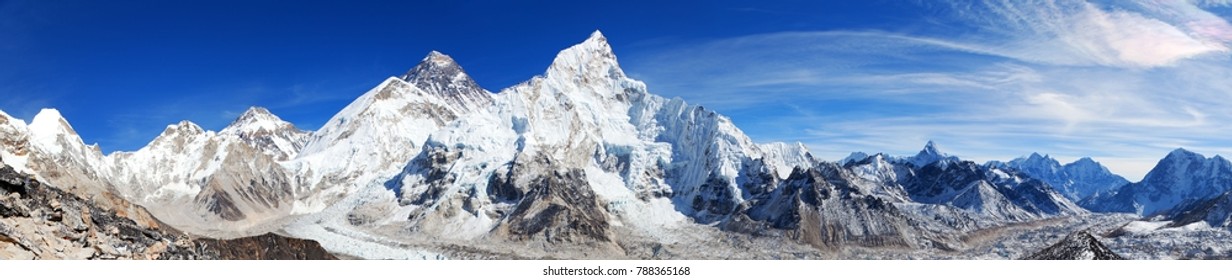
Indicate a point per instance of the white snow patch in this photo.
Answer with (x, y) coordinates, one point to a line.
(1143, 227)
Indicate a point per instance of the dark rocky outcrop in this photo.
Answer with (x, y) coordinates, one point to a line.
(268, 246)
(1077, 246)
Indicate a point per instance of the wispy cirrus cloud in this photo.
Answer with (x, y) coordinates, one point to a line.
(1124, 82)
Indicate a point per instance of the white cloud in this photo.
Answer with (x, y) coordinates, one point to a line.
(1068, 32)
(1123, 84)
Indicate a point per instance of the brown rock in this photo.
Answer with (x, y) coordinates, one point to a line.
(78, 253)
(268, 246)
(152, 252)
(106, 249)
(10, 251)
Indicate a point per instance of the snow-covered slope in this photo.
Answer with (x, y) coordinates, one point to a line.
(1179, 178)
(372, 138)
(1076, 180)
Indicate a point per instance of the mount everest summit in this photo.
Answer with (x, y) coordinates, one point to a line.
(429, 164)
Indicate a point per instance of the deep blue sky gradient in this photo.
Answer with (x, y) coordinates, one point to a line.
(120, 71)
(1121, 81)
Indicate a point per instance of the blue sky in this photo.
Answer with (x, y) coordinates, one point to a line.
(1121, 81)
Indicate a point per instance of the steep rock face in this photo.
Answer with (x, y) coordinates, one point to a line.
(558, 208)
(1077, 246)
(1077, 180)
(1179, 178)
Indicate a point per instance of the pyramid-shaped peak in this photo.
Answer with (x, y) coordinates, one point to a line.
(597, 36)
(591, 58)
(47, 116)
(931, 148)
(440, 75)
(257, 112)
(1182, 154)
(50, 122)
(437, 67)
(439, 59)
(256, 119)
(930, 154)
(1086, 160)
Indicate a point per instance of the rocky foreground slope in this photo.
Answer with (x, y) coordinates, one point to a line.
(38, 221)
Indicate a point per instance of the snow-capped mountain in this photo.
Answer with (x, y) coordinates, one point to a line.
(641, 159)
(268, 133)
(214, 181)
(1076, 180)
(1180, 177)
(371, 139)
(929, 155)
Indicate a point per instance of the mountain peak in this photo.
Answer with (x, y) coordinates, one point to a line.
(256, 112)
(597, 36)
(439, 73)
(1181, 154)
(593, 57)
(256, 119)
(439, 59)
(185, 127)
(1085, 162)
(931, 148)
(930, 154)
(432, 66)
(50, 122)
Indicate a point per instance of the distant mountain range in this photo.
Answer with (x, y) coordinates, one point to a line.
(581, 156)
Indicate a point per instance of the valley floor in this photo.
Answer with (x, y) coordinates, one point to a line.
(706, 242)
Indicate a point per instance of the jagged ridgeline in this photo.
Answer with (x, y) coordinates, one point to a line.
(581, 161)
